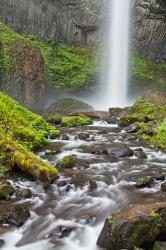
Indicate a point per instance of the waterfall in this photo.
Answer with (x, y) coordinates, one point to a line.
(114, 83)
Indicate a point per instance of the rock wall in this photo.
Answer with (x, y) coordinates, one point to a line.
(70, 21)
(149, 30)
(80, 21)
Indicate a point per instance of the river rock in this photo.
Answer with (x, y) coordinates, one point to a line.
(6, 190)
(136, 226)
(60, 232)
(12, 215)
(25, 193)
(133, 128)
(83, 136)
(163, 187)
(139, 152)
(2, 242)
(119, 149)
(92, 185)
(65, 137)
(144, 181)
(66, 162)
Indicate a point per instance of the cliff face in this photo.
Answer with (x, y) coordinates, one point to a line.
(149, 30)
(80, 21)
(69, 21)
(21, 68)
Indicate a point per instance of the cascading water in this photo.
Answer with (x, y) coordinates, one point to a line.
(114, 82)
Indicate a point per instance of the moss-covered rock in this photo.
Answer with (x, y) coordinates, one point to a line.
(25, 193)
(144, 181)
(21, 68)
(66, 162)
(21, 131)
(68, 105)
(136, 226)
(75, 121)
(150, 117)
(6, 190)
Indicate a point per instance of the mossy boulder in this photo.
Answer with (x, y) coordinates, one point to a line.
(150, 119)
(25, 193)
(136, 226)
(68, 105)
(21, 131)
(66, 162)
(6, 190)
(144, 181)
(75, 121)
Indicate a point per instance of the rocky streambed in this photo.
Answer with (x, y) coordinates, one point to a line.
(107, 177)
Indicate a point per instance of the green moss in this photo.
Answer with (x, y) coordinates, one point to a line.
(21, 131)
(66, 162)
(152, 129)
(5, 190)
(156, 246)
(156, 217)
(66, 65)
(21, 125)
(149, 71)
(7, 39)
(75, 121)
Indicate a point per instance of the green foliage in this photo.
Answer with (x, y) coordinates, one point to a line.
(156, 246)
(75, 121)
(66, 65)
(148, 70)
(21, 125)
(7, 39)
(153, 128)
(20, 131)
(157, 218)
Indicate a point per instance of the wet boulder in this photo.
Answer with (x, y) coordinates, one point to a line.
(2, 242)
(163, 187)
(144, 181)
(139, 152)
(6, 190)
(66, 162)
(83, 136)
(12, 215)
(65, 137)
(136, 226)
(92, 185)
(119, 149)
(60, 232)
(25, 193)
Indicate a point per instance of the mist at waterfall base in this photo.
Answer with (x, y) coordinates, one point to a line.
(113, 89)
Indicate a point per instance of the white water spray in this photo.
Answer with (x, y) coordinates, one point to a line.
(114, 83)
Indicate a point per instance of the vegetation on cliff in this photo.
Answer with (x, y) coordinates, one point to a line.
(148, 73)
(150, 119)
(21, 131)
(7, 39)
(67, 66)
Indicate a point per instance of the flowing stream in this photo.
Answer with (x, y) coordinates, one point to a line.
(70, 202)
(114, 81)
